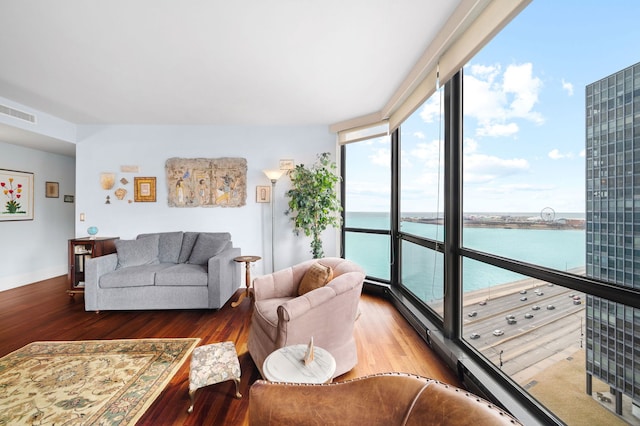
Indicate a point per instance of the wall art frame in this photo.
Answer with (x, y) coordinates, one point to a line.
(16, 195)
(52, 189)
(206, 182)
(144, 189)
(263, 194)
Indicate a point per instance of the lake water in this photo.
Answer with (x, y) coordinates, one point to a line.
(422, 268)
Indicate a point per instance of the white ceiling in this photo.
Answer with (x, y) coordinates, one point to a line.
(245, 62)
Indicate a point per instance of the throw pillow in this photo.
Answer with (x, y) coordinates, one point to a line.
(188, 241)
(137, 252)
(318, 275)
(206, 247)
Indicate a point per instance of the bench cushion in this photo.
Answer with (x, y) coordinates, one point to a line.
(182, 274)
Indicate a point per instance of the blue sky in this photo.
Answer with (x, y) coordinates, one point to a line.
(524, 115)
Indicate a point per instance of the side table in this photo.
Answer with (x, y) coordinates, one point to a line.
(287, 365)
(248, 260)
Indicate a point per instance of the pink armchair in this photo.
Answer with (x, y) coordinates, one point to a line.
(282, 318)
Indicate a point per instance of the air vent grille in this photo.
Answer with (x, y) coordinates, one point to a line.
(21, 115)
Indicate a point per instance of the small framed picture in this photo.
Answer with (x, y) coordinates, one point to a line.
(144, 189)
(68, 198)
(287, 165)
(263, 194)
(52, 190)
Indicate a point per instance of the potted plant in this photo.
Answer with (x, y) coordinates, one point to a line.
(313, 201)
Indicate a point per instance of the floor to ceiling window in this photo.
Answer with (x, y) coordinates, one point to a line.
(367, 201)
(422, 230)
(548, 248)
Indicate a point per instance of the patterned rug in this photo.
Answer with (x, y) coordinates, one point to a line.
(102, 382)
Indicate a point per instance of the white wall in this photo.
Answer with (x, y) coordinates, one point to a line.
(106, 148)
(33, 250)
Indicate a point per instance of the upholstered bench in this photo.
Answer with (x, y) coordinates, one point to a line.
(211, 364)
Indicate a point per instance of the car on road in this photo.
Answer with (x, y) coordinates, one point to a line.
(528, 315)
(535, 307)
(577, 302)
(498, 332)
(482, 303)
(512, 321)
(550, 307)
(508, 317)
(540, 293)
(523, 298)
(523, 291)
(474, 336)
(472, 314)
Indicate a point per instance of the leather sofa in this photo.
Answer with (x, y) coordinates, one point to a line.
(281, 317)
(383, 399)
(165, 270)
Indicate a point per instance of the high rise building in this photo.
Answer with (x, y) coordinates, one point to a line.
(613, 230)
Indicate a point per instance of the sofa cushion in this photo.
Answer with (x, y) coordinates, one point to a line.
(207, 246)
(188, 241)
(318, 275)
(169, 245)
(137, 252)
(133, 276)
(183, 275)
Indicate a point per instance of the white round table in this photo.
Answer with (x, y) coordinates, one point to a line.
(287, 365)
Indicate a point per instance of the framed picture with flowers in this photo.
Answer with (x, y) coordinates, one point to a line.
(16, 195)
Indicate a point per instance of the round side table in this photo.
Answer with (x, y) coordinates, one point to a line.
(287, 365)
(247, 260)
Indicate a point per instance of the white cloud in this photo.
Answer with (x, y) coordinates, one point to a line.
(497, 130)
(568, 87)
(381, 157)
(431, 110)
(486, 168)
(582, 153)
(555, 154)
(498, 99)
(419, 135)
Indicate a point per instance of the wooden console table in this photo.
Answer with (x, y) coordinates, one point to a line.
(81, 249)
(247, 277)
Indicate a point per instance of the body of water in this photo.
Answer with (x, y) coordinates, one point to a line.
(423, 269)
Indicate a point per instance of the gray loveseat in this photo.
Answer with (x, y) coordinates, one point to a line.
(166, 270)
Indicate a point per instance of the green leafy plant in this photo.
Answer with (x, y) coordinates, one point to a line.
(313, 200)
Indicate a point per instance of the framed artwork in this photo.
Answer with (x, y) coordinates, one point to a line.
(52, 190)
(16, 195)
(144, 189)
(206, 182)
(287, 165)
(263, 194)
(68, 198)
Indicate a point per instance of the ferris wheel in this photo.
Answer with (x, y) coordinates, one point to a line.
(547, 214)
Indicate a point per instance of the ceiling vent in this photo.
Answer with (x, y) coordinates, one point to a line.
(21, 115)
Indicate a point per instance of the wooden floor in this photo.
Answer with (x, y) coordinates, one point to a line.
(42, 311)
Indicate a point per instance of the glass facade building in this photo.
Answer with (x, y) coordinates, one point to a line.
(613, 229)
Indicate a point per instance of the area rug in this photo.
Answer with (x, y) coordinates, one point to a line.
(101, 382)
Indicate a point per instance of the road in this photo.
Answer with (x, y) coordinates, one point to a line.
(530, 341)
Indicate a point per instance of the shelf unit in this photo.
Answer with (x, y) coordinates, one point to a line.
(81, 249)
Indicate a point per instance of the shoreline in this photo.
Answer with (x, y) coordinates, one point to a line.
(493, 292)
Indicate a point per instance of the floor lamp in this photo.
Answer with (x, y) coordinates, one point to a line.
(273, 176)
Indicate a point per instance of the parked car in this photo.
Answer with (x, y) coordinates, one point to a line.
(498, 332)
(474, 336)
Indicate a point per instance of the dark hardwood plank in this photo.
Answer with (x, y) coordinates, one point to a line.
(43, 311)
